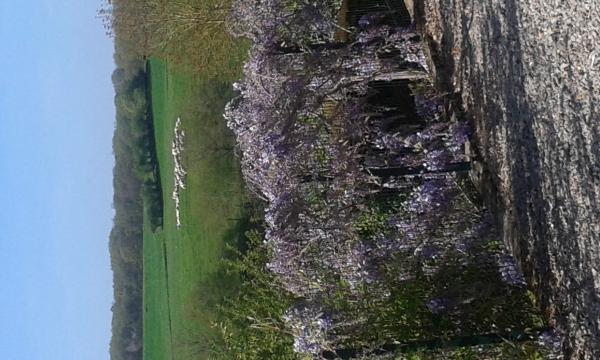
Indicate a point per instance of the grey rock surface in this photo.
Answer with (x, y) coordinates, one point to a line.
(528, 74)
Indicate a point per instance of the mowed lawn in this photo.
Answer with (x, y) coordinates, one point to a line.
(183, 277)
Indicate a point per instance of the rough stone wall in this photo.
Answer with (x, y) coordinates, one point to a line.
(528, 73)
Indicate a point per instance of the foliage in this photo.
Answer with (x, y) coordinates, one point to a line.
(136, 190)
(188, 32)
(252, 325)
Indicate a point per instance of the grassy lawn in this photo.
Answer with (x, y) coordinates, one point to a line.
(183, 279)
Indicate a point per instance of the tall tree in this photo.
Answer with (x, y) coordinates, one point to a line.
(177, 29)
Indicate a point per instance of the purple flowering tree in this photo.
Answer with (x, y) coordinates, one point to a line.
(366, 214)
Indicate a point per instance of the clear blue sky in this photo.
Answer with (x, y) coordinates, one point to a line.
(56, 124)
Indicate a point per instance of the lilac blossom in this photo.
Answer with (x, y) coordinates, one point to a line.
(509, 272)
(438, 305)
(309, 325)
(428, 197)
(428, 251)
(459, 134)
(428, 108)
(550, 339)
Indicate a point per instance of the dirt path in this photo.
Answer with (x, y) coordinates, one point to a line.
(528, 72)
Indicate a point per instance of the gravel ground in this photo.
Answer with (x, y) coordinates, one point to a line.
(528, 74)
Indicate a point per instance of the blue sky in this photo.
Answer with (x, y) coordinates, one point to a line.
(56, 124)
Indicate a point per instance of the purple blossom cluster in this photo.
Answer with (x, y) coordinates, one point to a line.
(270, 23)
(371, 20)
(283, 155)
(511, 275)
(459, 134)
(433, 147)
(437, 305)
(429, 197)
(427, 107)
(551, 340)
(310, 325)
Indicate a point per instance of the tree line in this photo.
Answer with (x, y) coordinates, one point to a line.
(137, 195)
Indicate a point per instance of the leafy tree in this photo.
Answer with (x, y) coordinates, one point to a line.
(189, 32)
(252, 326)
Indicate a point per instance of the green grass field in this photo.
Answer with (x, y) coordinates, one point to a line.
(183, 279)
